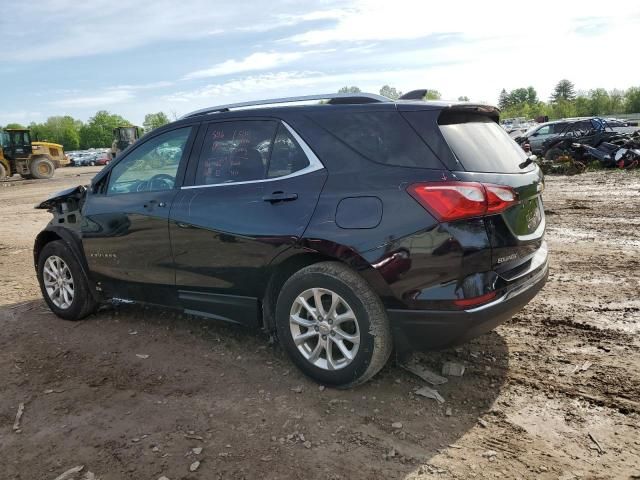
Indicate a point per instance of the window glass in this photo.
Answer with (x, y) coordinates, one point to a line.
(383, 137)
(152, 166)
(544, 130)
(480, 144)
(235, 152)
(287, 156)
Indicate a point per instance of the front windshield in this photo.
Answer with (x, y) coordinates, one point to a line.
(127, 134)
(19, 138)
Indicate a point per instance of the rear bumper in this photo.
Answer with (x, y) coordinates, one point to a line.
(433, 329)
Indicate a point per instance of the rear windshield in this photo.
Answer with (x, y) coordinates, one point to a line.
(480, 144)
(382, 137)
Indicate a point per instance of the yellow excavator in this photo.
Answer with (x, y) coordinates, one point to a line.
(18, 154)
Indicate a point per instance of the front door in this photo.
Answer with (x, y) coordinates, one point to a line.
(251, 196)
(125, 229)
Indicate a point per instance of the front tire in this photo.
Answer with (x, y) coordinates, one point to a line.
(42, 168)
(333, 325)
(63, 284)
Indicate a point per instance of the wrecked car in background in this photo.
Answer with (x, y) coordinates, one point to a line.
(567, 146)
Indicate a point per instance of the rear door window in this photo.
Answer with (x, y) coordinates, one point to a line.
(382, 137)
(480, 144)
(235, 151)
(287, 156)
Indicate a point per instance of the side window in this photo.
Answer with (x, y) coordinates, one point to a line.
(382, 137)
(544, 130)
(235, 152)
(287, 156)
(152, 166)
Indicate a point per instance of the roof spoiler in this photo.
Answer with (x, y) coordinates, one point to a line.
(415, 94)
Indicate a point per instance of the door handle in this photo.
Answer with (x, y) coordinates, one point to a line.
(152, 203)
(280, 197)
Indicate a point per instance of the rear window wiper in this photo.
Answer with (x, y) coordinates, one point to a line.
(530, 159)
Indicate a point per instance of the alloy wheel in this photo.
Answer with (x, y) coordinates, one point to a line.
(324, 328)
(58, 282)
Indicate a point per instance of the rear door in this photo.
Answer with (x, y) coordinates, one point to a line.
(250, 195)
(479, 150)
(125, 230)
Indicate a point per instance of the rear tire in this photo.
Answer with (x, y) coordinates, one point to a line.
(63, 284)
(42, 168)
(3, 172)
(345, 343)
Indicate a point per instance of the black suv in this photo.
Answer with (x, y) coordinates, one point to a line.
(348, 227)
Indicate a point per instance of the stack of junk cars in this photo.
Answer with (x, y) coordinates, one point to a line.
(569, 145)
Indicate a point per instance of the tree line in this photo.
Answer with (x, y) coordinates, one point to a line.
(97, 132)
(566, 102)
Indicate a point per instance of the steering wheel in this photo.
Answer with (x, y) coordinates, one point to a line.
(161, 181)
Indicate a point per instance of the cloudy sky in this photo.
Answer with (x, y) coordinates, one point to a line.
(70, 57)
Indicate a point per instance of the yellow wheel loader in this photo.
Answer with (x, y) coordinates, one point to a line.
(29, 159)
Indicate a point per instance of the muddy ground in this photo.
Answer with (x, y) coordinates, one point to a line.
(553, 394)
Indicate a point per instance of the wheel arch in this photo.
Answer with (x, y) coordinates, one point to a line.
(72, 240)
(294, 259)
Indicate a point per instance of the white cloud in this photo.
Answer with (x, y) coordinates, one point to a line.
(255, 61)
(246, 86)
(460, 47)
(20, 116)
(375, 20)
(104, 26)
(100, 100)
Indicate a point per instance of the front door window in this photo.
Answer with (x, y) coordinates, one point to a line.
(152, 166)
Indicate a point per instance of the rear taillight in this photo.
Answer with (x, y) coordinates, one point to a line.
(449, 201)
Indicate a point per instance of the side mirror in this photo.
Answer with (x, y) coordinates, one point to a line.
(533, 158)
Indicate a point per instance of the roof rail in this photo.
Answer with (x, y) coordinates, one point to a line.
(333, 98)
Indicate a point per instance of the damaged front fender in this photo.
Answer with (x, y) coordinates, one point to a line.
(72, 197)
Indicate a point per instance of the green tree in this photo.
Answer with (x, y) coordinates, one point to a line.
(154, 120)
(503, 100)
(616, 101)
(433, 95)
(98, 131)
(564, 90)
(14, 125)
(532, 96)
(563, 109)
(632, 100)
(600, 101)
(463, 98)
(390, 92)
(63, 130)
(349, 90)
(582, 105)
(518, 96)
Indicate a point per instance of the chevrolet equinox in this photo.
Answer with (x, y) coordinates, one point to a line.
(349, 227)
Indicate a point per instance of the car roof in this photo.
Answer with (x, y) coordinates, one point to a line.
(324, 101)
